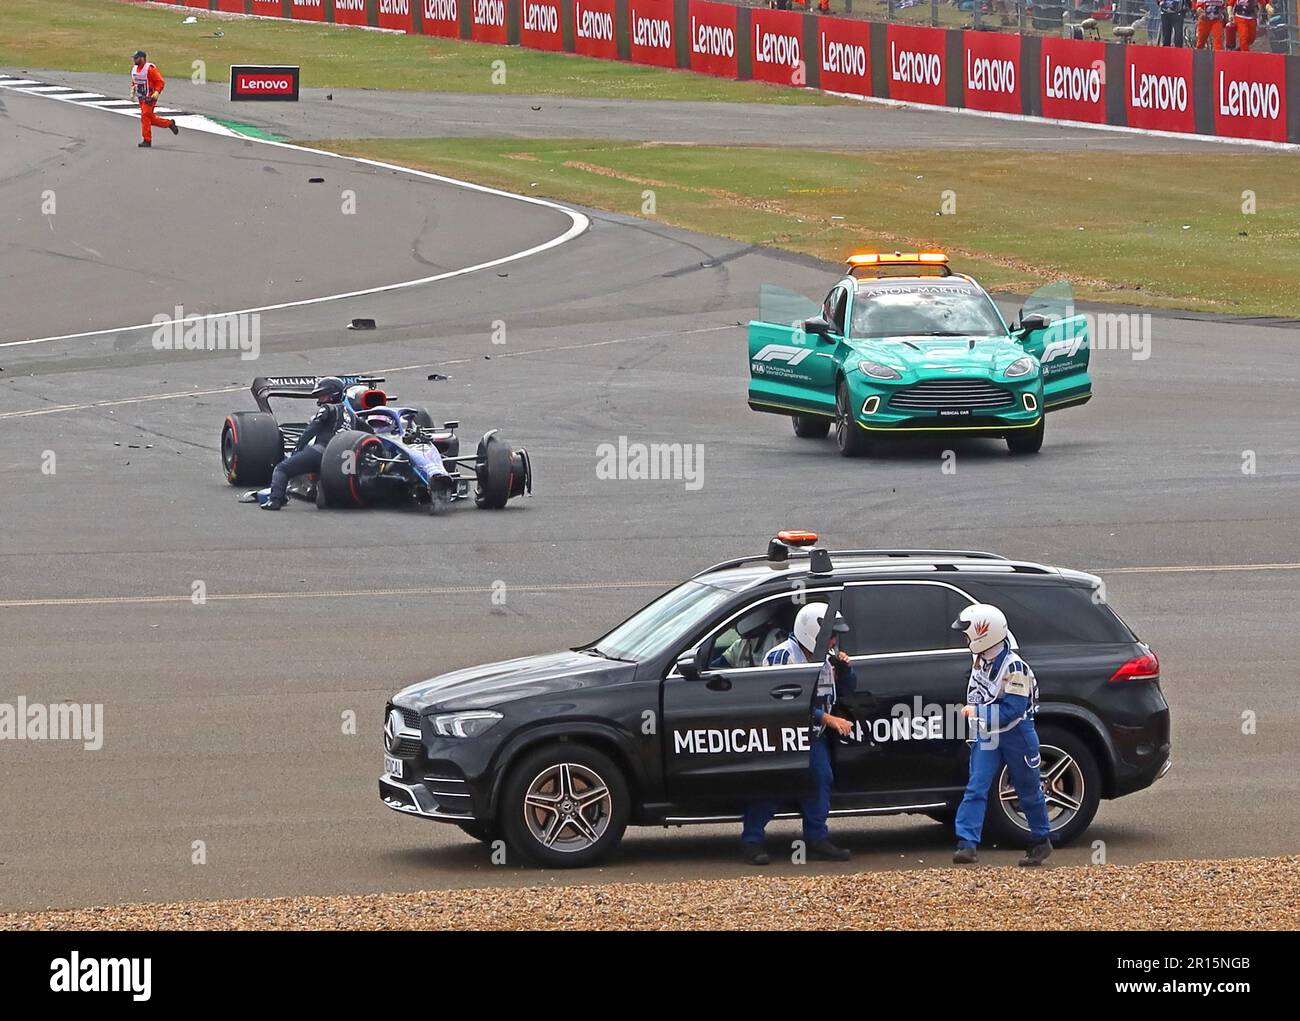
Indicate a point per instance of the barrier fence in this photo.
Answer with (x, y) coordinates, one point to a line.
(1250, 95)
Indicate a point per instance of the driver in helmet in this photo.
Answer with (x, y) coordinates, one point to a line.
(836, 679)
(1002, 698)
(330, 418)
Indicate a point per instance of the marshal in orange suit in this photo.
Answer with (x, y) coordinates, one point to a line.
(146, 86)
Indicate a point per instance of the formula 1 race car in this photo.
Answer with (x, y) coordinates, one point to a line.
(390, 456)
(905, 346)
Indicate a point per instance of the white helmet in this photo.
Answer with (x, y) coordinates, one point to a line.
(808, 624)
(985, 626)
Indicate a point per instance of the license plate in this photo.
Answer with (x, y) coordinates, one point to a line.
(955, 413)
(393, 767)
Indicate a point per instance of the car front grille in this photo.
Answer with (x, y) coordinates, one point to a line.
(952, 395)
(409, 717)
(407, 748)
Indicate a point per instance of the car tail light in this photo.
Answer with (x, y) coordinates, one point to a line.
(1140, 668)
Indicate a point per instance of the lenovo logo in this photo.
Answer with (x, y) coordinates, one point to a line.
(913, 67)
(1073, 83)
(987, 74)
(1156, 91)
(589, 24)
(656, 33)
(712, 40)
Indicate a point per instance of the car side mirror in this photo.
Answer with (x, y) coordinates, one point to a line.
(817, 326)
(1034, 321)
(687, 666)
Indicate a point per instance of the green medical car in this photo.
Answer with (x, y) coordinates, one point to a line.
(903, 345)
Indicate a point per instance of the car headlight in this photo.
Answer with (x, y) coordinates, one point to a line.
(1020, 367)
(469, 724)
(877, 371)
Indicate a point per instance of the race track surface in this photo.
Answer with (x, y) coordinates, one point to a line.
(367, 113)
(224, 721)
(142, 231)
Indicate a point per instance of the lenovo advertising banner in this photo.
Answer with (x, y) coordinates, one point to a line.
(1158, 93)
(651, 25)
(540, 25)
(350, 12)
(991, 69)
(713, 38)
(394, 14)
(231, 6)
(1250, 95)
(917, 59)
(263, 82)
(593, 28)
(487, 21)
(270, 8)
(776, 47)
(308, 10)
(844, 54)
(440, 17)
(1073, 80)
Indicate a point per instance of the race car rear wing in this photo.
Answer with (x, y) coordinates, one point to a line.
(299, 387)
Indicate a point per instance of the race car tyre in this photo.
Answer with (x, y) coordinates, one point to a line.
(344, 467)
(502, 472)
(485, 832)
(849, 436)
(565, 806)
(422, 417)
(1027, 441)
(811, 427)
(251, 447)
(1071, 782)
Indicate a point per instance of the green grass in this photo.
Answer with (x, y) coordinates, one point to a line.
(1176, 238)
(100, 35)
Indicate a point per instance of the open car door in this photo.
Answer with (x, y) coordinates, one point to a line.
(790, 369)
(1049, 329)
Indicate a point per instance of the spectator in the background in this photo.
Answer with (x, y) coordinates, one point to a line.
(1172, 15)
(1211, 15)
(1245, 17)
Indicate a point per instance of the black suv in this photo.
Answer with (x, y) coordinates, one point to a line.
(672, 717)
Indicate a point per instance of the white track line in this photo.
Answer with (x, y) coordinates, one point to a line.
(578, 224)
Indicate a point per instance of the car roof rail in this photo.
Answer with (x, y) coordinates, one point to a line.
(886, 553)
(965, 554)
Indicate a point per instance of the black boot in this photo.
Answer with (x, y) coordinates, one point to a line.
(754, 854)
(173, 128)
(273, 504)
(1036, 855)
(824, 850)
(145, 145)
(964, 856)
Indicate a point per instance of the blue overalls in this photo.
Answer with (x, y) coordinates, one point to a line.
(1005, 695)
(814, 809)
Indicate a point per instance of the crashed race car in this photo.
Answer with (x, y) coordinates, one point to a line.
(391, 455)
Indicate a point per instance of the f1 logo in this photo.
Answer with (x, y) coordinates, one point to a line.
(1064, 347)
(782, 353)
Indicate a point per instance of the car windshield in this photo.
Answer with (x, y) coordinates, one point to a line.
(664, 622)
(923, 308)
